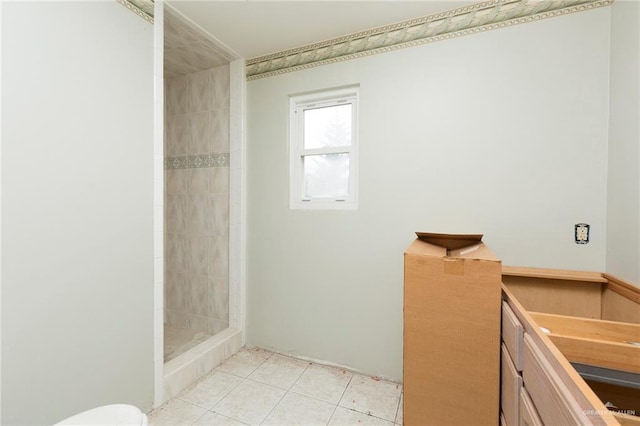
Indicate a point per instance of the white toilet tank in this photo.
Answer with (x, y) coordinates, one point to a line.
(116, 414)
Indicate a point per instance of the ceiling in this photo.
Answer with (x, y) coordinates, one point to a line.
(252, 28)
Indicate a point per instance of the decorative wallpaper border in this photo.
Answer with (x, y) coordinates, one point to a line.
(197, 161)
(142, 8)
(458, 22)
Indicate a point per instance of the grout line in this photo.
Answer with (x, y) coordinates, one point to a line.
(332, 414)
(226, 393)
(301, 374)
(274, 407)
(395, 417)
(163, 407)
(198, 419)
(231, 418)
(285, 393)
(252, 371)
(312, 397)
(260, 365)
(369, 414)
(340, 399)
(345, 389)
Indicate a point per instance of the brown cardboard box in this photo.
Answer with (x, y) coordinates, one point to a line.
(452, 295)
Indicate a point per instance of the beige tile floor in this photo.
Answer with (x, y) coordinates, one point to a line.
(255, 387)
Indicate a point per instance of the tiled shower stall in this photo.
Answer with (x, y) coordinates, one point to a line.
(196, 208)
(200, 124)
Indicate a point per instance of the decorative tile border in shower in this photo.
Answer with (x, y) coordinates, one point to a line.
(467, 20)
(197, 161)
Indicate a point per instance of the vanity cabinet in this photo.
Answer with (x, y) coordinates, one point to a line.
(571, 362)
(567, 351)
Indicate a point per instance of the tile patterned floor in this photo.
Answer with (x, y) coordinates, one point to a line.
(255, 387)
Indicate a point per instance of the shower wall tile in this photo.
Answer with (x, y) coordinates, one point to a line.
(197, 322)
(175, 213)
(215, 326)
(219, 208)
(170, 292)
(219, 256)
(176, 134)
(197, 254)
(200, 56)
(219, 130)
(176, 181)
(199, 292)
(185, 301)
(200, 180)
(219, 180)
(220, 85)
(181, 293)
(199, 133)
(176, 98)
(218, 294)
(199, 218)
(177, 34)
(196, 200)
(176, 253)
(176, 318)
(199, 91)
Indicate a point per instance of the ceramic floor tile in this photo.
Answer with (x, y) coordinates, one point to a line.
(244, 362)
(280, 371)
(371, 396)
(399, 415)
(345, 417)
(250, 402)
(176, 412)
(214, 419)
(324, 383)
(211, 389)
(300, 410)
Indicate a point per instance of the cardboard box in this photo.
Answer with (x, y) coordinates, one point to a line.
(452, 301)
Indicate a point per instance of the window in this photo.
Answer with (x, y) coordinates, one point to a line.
(324, 156)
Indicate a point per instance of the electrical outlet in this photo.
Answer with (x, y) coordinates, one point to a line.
(582, 233)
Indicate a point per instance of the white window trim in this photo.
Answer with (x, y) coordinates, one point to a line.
(298, 103)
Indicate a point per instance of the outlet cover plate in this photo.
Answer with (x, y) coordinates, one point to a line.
(581, 233)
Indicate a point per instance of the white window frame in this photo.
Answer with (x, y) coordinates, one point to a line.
(297, 105)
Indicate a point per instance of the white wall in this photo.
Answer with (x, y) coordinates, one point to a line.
(77, 209)
(623, 220)
(503, 132)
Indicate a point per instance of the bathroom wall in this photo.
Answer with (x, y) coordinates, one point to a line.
(77, 209)
(197, 200)
(623, 215)
(502, 132)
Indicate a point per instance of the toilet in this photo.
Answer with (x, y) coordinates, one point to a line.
(116, 414)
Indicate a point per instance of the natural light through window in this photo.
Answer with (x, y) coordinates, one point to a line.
(324, 150)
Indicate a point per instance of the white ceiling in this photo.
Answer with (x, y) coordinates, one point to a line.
(252, 28)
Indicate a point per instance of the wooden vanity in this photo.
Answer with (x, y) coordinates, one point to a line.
(487, 344)
(570, 345)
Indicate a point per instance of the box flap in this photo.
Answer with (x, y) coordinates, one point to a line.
(450, 241)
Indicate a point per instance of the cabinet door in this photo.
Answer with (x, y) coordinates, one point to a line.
(510, 392)
(528, 413)
(512, 332)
